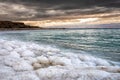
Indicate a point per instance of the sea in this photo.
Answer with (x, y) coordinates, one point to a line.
(102, 43)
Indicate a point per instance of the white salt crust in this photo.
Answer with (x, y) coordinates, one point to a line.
(30, 61)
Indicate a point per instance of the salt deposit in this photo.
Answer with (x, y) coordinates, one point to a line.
(27, 53)
(30, 61)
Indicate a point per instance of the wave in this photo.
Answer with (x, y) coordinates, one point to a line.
(30, 61)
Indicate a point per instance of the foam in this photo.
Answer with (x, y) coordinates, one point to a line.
(30, 61)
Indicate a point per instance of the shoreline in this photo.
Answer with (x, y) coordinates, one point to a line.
(31, 61)
(19, 29)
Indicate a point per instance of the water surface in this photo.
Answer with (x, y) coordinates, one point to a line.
(104, 43)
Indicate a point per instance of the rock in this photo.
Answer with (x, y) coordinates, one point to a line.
(37, 66)
(86, 58)
(92, 75)
(19, 50)
(9, 48)
(6, 73)
(60, 61)
(30, 60)
(50, 73)
(22, 66)
(14, 54)
(100, 62)
(9, 61)
(51, 53)
(27, 53)
(4, 52)
(109, 69)
(112, 77)
(43, 60)
(26, 76)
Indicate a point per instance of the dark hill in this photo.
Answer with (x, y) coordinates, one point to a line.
(15, 25)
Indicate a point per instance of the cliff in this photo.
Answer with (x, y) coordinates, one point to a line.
(15, 25)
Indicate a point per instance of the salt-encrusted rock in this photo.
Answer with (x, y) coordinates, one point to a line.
(112, 77)
(4, 52)
(19, 50)
(14, 54)
(2, 41)
(76, 61)
(26, 61)
(14, 45)
(60, 61)
(33, 47)
(9, 48)
(1, 60)
(26, 76)
(37, 65)
(50, 73)
(9, 61)
(100, 62)
(27, 53)
(30, 60)
(92, 75)
(43, 60)
(10, 44)
(51, 53)
(22, 66)
(56, 73)
(6, 73)
(109, 69)
(90, 63)
(86, 58)
(70, 55)
(51, 49)
(38, 52)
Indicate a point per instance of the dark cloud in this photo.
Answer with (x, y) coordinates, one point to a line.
(67, 4)
(35, 9)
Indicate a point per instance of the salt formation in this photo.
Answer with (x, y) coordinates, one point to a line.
(29, 61)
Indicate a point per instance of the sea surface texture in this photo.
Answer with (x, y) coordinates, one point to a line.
(73, 54)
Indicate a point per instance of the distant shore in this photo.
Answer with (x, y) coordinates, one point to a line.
(13, 26)
(17, 29)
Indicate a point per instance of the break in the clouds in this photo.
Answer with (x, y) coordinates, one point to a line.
(37, 9)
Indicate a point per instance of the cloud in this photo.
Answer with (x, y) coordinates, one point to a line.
(37, 9)
(66, 4)
(16, 11)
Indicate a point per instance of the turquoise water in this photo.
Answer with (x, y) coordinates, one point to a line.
(104, 43)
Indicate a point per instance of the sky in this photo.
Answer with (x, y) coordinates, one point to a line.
(37, 10)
